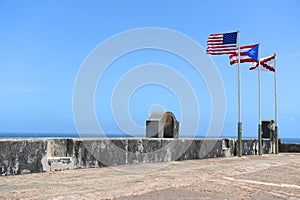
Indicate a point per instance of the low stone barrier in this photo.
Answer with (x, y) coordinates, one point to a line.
(289, 148)
(20, 156)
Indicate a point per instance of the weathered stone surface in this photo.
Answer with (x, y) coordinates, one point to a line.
(215, 145)
(289, 147)
(178, 149)
(151, 150)
(266, 146)
(118, 152)
(91, 153)
(165, 151)
(20, 156)
(249, 146)
(59, 147)
(60, 163)
(228, 147)
(83, 157)
(192, 150)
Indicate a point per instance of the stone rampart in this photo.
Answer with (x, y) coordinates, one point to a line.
(289, 148)
(20, 156)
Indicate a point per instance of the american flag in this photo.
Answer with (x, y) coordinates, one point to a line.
(244, 54)
(222, 43)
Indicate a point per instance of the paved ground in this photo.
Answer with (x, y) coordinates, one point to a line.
(249, 177)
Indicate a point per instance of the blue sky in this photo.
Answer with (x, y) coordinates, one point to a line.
(44, 43)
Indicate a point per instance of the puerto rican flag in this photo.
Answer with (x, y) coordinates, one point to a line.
(248, 53)
(266, 63)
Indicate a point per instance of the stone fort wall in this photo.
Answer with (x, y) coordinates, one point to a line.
(20, 156)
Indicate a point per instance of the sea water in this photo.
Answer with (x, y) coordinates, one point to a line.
(111, 135)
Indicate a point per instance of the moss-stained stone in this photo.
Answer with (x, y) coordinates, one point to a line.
(19, 156)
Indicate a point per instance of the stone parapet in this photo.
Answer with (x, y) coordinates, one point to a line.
(20, 156)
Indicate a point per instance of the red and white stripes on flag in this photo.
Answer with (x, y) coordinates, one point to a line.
(267, 63)
(243, 55)
(222, 43)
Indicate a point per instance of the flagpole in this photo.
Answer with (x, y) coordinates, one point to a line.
(259, 106)
(239, 101)
(276, 112)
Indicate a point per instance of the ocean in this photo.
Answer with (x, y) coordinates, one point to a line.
(75, 135)
(290, 140)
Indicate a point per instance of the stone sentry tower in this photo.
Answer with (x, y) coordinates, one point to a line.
(162, 125)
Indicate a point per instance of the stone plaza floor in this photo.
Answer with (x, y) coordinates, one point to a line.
(247, 177)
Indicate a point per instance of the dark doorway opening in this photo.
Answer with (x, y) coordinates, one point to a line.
(169, 127)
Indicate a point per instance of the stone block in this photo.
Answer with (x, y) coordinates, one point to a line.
(21, 156)
(118, 152)
(289, 148)
(60, 163)
(210, 148)
(151, 150)
(165, 151)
